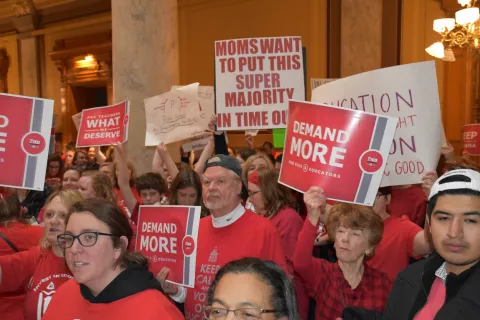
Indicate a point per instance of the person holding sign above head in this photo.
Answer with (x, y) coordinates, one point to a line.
(356, 231)
(231, 232)
(262, 290)
(109, 281)
(40, 270)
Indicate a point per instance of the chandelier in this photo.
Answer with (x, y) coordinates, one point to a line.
(463, 31)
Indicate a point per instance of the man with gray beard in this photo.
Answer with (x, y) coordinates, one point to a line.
(230, 233)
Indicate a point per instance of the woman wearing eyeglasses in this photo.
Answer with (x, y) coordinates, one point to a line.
(262, 291)
(41, 270)
(109, 281)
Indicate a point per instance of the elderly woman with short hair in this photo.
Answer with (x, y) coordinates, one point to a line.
(349, 282)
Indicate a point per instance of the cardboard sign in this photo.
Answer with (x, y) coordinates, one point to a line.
(315, 83)
(254, 79)
(77, 118)
(167, 236)
(104, 126)
(196, 144)
(408, 92)
(179, 114)
(25, 129)
(471, 139)
(343, 151)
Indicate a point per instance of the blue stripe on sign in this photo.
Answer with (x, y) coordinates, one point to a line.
(381, 124)
(187, 260)
(36, 126)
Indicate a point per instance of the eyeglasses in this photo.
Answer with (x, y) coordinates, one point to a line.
(86, 239)
(252, 193)
(210, 312)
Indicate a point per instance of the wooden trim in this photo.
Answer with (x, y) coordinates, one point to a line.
(391, 32)
(334, 38)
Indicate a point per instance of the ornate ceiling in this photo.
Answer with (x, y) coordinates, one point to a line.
(27, 15)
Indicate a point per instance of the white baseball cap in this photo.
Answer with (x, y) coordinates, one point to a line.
(467, 179)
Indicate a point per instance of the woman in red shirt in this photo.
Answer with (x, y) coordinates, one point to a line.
(16, 235)
(40, 270)
(349, 282)
(109, 282)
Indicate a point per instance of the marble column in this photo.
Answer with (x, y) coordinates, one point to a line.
(361, 36)
(145, 64)
(30, 67)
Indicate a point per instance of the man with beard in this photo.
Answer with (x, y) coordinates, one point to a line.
(230, 233)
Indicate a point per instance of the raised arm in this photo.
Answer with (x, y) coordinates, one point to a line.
(206, 154)
(99, 156)
(311, 270)
(167, 160)
(122, 179)
(157, 164)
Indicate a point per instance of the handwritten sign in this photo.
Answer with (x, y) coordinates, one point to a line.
(25, 129)
(179, 114)
(254, 79)
(104, 126)
(167, 236)
(471, 139)
(315, 83)
(341, 150)
(408, 92)
(196, 144)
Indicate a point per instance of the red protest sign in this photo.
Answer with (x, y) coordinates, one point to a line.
(167, 236)
(25, 129)
(343, 151)
(471, 139)
(254, 79)
(104, 126)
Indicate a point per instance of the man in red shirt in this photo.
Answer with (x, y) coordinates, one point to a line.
(402, 239)
(230, 233)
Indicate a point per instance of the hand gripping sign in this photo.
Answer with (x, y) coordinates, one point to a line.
(341, 150)
(25, 129)
(167, 236)
(104, 126)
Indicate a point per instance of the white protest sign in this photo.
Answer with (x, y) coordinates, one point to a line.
(315, 83)
(175, 115)
(196, 144)
(77, 118)
(254, 79)
(408, 92)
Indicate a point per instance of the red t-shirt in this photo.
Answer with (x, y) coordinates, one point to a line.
(23, 236)
(69, 303)
(121, 201)
(410, 202)
(40, 272)
(393, 253)
(250, 236)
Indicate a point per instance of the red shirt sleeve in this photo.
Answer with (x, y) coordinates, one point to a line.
(272, 249)
(18, 268)
(410, 230)
(289, 226)
(311, 270)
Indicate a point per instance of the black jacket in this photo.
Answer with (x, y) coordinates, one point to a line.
(412, 287)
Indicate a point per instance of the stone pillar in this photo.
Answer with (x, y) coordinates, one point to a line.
(4, 65)
(30, 67)
(361, 36)
(145, 64)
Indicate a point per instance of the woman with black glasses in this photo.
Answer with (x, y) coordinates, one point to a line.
(109, 281)
(251, 289)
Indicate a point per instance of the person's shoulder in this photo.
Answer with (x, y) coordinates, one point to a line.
(377, 275)
(68, 291)
(157, 306)
(413, 272)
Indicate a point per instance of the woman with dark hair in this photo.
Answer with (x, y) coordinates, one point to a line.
(186, 190)
(109, 281)
(80, 159)
(54, 171)
(71, 175)
(16, 235)
(251, 289)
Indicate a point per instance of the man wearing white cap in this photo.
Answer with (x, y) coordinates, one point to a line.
(447, 284)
